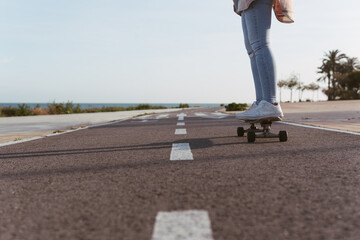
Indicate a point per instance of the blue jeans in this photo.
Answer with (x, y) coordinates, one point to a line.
(256, 23)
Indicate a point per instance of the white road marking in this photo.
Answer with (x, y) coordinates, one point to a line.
(321, 128)
(143, 117)
(181, 151)
(184, 225)
(181, 116)
(220, 114)
(215, 115)
(180, 131)
(162, 116)
(180, 124)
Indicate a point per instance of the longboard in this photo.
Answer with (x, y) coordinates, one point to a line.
(254, 132)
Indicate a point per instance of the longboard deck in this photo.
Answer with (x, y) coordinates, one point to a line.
(263, 120)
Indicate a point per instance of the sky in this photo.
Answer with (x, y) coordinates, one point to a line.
(157, 51)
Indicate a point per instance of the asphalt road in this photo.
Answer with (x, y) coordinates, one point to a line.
(117, 182)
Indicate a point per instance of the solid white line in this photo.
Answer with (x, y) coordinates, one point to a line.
(180, 131)
(41, 137)
(321, 128)
(186, 225)
(180, 124)
(181, 151)
(60, 133)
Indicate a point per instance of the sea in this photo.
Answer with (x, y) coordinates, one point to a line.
(124, 105)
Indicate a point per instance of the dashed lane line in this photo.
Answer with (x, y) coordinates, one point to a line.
(186, 225)
(214, 115)
(180, 131)
(180, 124)
(161, 116)
(181, 152)
(181, 116)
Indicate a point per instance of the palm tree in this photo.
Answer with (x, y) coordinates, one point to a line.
(300, 87)
(291, 83)
(331, 64)
(312, 87)
(281, 84)
(351, 65)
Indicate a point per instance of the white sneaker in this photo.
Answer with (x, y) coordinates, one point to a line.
(242, 115)
(265, 110)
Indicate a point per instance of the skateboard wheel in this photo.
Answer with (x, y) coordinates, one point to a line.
(283, 136)
(251, 136)
(240, 131)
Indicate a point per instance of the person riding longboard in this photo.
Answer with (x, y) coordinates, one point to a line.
(256, 23)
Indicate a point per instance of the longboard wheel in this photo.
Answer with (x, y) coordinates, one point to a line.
(283, 136)
(251, 136)
(240, 131)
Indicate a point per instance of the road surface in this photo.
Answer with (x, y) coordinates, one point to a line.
(183, 175)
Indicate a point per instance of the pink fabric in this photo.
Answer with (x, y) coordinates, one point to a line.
(284, 9)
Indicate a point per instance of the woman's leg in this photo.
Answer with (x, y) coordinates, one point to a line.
(255, 73)
(257, 19)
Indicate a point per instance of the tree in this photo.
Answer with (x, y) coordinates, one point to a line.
(281, 84)
(351, 65)
(291, 83)
(331, 64)
(312, 87)
(349, 86)
(300, 87)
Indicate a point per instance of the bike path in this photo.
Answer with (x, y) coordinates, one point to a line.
(111, 182)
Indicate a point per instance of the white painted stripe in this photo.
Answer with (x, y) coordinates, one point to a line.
(214, 116)
(185, 225)
(181, 116)
(41, 137)
(162, 116)
(180, 131)
(320, 128)
(200, 114)
(220, 114)
(181, 151)
(143, 117)
(180, 124)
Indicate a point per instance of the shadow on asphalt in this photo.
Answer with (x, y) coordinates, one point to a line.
(195, 144)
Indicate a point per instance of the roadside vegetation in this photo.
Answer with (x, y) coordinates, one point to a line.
(65, 108)
(340, 72)
(183, 105)
(294, 84)
(236, 107)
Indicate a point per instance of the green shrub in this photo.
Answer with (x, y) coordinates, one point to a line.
(9, 111)
(56, 108)
(68, 108)
(143, 107)
(23, 110)
(236, 107)
(183, 105)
